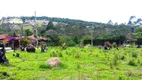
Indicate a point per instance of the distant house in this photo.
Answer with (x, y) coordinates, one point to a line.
(128, 36)
(3, 36)
(130, 39)
(32, 37)
(8, 41)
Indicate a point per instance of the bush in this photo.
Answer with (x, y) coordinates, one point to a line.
(64, 46)
(25, 42)
(95, 41)
(71, 43)
(115, 59)
(114, 44)
(43, 66)
(132, 63)
(115, 62)
(68, 40)
(134, 55)
(60, 55)
(53, 54)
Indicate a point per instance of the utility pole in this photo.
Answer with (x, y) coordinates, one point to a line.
(35, 29)
(22, 28)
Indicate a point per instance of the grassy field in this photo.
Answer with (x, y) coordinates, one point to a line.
(77, 64)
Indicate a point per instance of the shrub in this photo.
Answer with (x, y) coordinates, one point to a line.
(111, 66)
(78, 66)
(132, 63)
(115, 60)
(64, 46)
(25, 42)
(134, 55)
(71, 43)
(43, 66)
(53, 54)
(120, 78)
(78, 55)
(60, 55)
(68, 40)
(114, 44)
(139, 62)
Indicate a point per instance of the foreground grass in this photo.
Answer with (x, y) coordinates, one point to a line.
(77, 64)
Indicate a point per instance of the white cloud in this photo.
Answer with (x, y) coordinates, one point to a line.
(90, 10)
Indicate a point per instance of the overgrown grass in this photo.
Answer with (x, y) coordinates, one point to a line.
(76, 64)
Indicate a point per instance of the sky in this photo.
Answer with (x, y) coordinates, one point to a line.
(88, 10)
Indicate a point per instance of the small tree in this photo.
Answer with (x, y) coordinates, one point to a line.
(76, 40)
(28, 32)
(24, 42)
(48, 27)
(114, 44)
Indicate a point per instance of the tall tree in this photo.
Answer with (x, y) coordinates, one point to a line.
(46, 28)
(50, 25)
(76, 40)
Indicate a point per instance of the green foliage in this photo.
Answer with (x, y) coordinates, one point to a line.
(137, 35)
(114, 44)
(53, 54)
(132, 62)
(138, 29)
(44, 66)
(78, 55)
(60, 54)
(63, 46)
(76, 40)
(2, 30)
(14, 34)
(54, 40)
(86, 37)
(28, 32)
(78, 66)
(48, 27)
(134, 54)
(115, 60)
(120, 78)
(25, 42)
(114, 37)
(68, 40)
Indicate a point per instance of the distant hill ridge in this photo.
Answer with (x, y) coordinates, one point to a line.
(133, 20)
